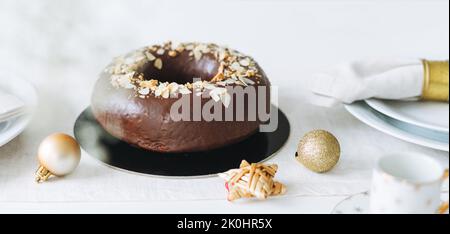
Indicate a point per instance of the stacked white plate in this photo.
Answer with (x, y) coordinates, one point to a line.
(421, 123)
(13, 123)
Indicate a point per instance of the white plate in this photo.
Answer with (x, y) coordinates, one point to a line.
(431, 115)
(410, 133)
(359, 204)
(27, 93)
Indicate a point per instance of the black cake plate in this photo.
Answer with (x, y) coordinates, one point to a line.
(120, 155)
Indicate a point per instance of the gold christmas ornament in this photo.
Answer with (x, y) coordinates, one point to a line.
(59, 154)
(252, 180)
(318, 151)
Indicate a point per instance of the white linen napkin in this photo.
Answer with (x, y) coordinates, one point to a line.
(396, 79)
(10, 106)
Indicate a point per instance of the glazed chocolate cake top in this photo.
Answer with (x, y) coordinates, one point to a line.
(168, 70)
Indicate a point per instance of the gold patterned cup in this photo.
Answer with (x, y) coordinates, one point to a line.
(407, 183)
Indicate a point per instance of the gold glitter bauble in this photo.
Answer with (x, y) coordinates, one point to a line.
(318, 151)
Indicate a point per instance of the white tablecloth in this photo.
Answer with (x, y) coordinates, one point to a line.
(61, 46)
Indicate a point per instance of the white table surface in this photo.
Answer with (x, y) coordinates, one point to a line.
(60, 46)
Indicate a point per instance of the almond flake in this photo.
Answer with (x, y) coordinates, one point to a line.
(158, 64)
(226, 82)
(248, 81)
(215, 94)
(144, 91)
(151, 84)
(198, 85)
(161, 51)
(221, 67)
(236, 66)
(168, 45)
(218, 77)
(180, 48)
(221, 94)
(165, 93)
(250, 73)
(197, 55)
(161, 90)
(208, 85)
(242, 81)
(172, 53)
(173, 88)
(223, 54)
(189, 47)
(150, 56)
(245, 62)
(184, 90)
(205, 50)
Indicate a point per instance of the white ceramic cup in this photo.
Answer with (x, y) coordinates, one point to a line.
(407, 183)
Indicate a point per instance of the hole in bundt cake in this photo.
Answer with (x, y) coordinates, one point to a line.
(182, 69)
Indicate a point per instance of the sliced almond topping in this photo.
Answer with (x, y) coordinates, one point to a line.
(248, 81)
(160, 51)
(184, 90)
(207, 85)
(150, 56)
(221, 67)
(180, 48)
(235, 68)
(190, 47)
(165, 93)
(158, 64)
(206, 50)
(168, 45)
(218, 77)
(223, 55)
(242, 81)
(172, 53)
(245, 62)
(197, 55)
(250, 73)
(144, 91)
(151, 84)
